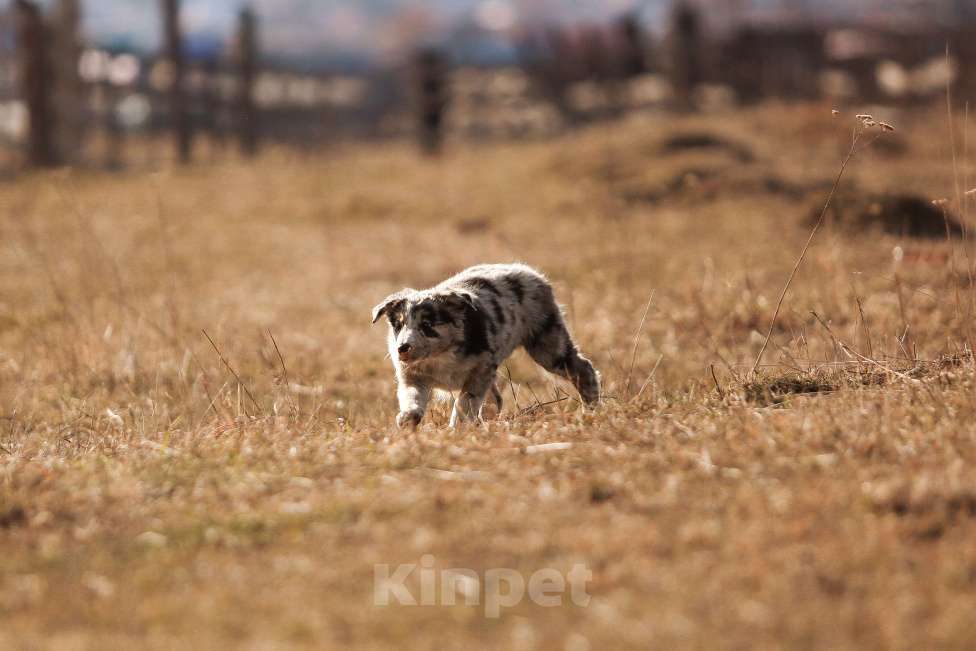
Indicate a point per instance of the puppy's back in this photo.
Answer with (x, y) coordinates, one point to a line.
(514, 298)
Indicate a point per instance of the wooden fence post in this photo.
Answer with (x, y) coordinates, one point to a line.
(37, 84)
(214, 108)
(633, 47)
(686, 52)
(179, 115)
(430, 73)
(114, 136)
(69, 99)
(247, 114)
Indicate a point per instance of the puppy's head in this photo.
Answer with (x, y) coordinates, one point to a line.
(425, 324)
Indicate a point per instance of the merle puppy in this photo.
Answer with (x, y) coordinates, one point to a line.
(454, 337)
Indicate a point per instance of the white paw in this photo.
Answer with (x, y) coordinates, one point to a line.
(460, 419)
(409, 419)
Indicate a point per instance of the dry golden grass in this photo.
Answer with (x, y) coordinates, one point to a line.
(146, 502)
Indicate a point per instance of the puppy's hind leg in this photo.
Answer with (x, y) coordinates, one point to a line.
(496, 395)
(496, 398)
(553, 349)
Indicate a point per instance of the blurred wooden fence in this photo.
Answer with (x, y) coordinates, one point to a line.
(62, 102)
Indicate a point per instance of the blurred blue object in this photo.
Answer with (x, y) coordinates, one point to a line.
(204, 46)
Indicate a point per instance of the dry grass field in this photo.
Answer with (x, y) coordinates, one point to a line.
(150, 500)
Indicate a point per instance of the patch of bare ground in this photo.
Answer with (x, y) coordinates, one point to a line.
(897, 214)
(861, 372)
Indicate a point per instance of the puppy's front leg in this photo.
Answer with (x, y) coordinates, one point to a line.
(413, 400)
(468, 405)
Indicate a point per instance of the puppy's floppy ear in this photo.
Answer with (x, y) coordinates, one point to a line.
(392, 303)
(462, 301)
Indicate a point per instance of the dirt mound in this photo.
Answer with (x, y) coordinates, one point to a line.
(690, 179)
(776, 391)
(902, 215)
(891, 146)
(709, 184)
(698, 141)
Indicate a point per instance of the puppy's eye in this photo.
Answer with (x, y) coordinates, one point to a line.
(428, 329)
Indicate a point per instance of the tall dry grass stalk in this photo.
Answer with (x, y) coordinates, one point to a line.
(863, 122)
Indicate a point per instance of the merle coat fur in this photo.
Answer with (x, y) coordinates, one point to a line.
(454, 337)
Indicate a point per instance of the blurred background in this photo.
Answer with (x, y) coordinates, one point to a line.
(758, 477)
(133, 84)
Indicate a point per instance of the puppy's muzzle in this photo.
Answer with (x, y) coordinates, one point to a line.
(403, 352)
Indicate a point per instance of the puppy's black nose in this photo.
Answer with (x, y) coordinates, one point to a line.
(403, 349)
